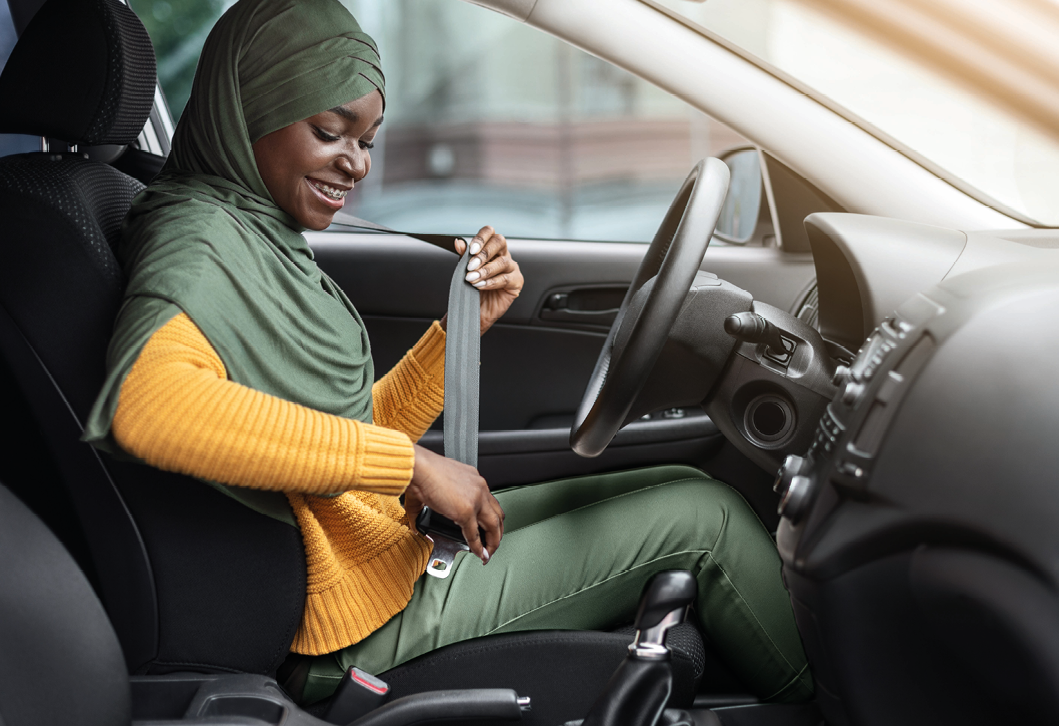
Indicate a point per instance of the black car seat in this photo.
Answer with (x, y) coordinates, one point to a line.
(59, 659)
(191, 579)
(61, 663)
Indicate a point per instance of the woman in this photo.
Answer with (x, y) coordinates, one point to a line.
(236, 360)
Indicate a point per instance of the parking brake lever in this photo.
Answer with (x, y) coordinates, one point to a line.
(637, 693)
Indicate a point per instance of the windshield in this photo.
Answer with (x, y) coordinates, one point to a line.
(971, 139)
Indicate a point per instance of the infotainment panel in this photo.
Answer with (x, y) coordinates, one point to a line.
(851, 430)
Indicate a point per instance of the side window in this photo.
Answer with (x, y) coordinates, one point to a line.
(489, 121)
(12, 143)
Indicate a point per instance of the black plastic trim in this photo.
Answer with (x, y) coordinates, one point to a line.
(525, 441)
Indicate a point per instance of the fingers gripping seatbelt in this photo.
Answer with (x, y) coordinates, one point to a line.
(462, 351)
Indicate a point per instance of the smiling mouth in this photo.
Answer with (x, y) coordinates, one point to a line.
(329, 191)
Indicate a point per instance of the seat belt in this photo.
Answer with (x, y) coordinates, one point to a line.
(462, 365)
(463, 338)
(462, 360)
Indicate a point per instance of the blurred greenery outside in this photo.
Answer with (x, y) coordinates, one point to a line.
(178, 29)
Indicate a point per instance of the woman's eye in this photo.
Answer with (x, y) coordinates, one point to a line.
(367, 145)
(323, 135)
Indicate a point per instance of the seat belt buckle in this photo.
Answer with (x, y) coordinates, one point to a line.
(358, 694)
(447, 538)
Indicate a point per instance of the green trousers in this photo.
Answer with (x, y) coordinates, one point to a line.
(575, 556)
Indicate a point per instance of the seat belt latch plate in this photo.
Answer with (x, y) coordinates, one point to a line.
(444, 555)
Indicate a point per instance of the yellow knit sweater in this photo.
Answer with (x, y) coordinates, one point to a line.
(178, 411)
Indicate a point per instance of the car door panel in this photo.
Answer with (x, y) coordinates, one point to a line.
(529, 375)
(394, 275)
(509, 458)
(536, 363)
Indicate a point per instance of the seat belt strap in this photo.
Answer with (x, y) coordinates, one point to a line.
(462, 365)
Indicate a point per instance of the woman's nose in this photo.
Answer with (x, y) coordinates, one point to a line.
(355, 164)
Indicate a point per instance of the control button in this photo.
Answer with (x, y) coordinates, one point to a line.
(889, 387)
(796, 499)
(851, 393)
(783, 357)
(850, 469)
(792, 466)
(841, 376)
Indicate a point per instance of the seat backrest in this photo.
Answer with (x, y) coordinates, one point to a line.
(59, 658)
(191, 579)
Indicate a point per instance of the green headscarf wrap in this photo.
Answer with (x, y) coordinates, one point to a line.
(207, 239)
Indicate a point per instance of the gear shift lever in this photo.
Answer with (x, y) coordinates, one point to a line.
(664, 603)
(637, 693)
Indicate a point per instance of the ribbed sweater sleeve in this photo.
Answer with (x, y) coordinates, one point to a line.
(412, 395)
(178, 411)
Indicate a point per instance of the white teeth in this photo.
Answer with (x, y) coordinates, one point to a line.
(335, 194)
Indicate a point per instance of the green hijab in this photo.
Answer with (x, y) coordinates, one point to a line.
(207, 239)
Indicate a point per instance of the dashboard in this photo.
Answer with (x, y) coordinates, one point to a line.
(867, 266)
(918, 532)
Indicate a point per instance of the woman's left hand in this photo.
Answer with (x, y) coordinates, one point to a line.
(493, 272)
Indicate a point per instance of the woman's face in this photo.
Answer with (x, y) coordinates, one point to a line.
(309, 166)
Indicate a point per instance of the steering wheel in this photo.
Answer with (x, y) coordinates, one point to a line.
(659, 288)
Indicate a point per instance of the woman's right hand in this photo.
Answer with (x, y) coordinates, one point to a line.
(459, 492)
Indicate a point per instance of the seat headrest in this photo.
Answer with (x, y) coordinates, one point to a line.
(83, 72)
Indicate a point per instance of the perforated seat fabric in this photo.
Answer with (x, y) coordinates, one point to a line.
(93, 198)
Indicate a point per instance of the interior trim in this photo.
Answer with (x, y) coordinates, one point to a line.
(530, 441)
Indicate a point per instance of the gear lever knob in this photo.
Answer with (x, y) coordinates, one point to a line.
(664, 593)
(664, 603)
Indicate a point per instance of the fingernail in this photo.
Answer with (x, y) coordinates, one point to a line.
(485, 557)
(476, 247)
(472, 276)
(478, 284)
(474, 264)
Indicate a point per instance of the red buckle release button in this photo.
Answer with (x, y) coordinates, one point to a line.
(367, 680)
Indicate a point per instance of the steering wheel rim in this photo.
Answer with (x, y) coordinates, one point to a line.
(670, 266)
